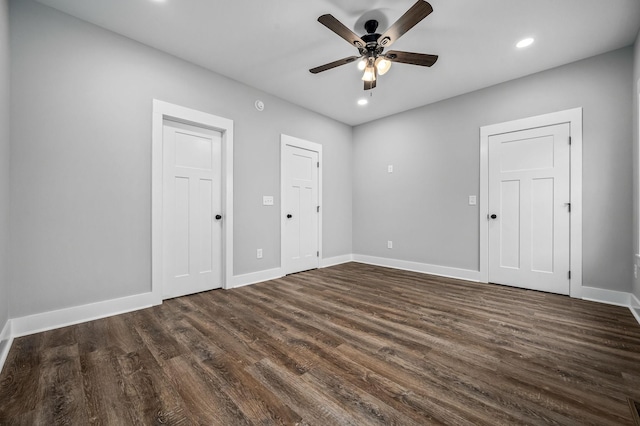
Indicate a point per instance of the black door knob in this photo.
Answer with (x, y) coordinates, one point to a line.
(289, 216)
(494, 216)
(218, 217)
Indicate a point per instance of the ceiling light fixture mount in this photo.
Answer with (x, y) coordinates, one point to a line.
(371, 46)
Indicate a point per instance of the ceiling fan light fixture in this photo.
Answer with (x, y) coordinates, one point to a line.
(382, 65)
(369, 74)
(362, 64)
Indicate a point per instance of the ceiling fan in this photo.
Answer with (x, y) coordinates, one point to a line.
(371, 45)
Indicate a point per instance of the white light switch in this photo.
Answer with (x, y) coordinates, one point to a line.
(267, 200)
(259, 253)
(390, 168)
(472, 200)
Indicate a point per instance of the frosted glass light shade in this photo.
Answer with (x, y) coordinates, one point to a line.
(369, 74)
(383, 65)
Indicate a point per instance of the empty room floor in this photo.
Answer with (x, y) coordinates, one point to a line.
(350, 344)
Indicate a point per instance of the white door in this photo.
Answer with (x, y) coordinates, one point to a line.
(301, 209)
(529, 210)
(192, 209)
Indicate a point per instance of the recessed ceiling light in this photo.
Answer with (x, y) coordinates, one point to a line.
(524, 43)
(362, 102)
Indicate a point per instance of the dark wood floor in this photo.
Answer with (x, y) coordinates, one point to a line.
(352, 344)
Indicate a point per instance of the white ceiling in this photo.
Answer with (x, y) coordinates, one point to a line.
(271, 44)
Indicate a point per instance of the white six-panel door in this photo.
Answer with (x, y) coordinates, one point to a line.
(301, 225)
(192, 209)
(529, 211)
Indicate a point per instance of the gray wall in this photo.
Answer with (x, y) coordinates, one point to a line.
(423, 205)
(4, 161)
(80, 169)
(636, 152)
(81, 160)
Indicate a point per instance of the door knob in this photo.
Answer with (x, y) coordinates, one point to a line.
(218, 217)
(494, 216)
(289, 216)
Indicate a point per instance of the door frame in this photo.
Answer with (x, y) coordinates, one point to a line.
(574, 118)
(309, 146)
(637, 194)
(161, 112)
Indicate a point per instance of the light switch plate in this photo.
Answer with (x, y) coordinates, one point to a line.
(267, 200)
(390, 168)
(472, 200)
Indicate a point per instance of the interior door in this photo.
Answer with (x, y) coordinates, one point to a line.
(301, 209)
(192, 209)
(529, 210)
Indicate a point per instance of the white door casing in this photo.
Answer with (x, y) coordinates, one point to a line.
(573, 118)
(301, 206)
(529, 208)
(166, 111)
(192, 209)
(637, 259)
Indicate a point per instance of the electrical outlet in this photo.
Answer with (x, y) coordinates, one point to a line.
(267, 200)
(389, 244)
(390, 168)
(472, 200)
(259, 254)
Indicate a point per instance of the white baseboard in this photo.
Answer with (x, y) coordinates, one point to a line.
(610, 297)
(255, 277)
(275, 273)
(425, 268)
(36, 323)
(634, 305)
(6, 331)
(337, 260)
(7, 338)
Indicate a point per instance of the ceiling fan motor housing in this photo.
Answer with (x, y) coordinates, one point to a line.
(371, 26)
(371, 38)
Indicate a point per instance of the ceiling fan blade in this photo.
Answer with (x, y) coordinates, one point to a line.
(368, 85)
(333, 64)
(420, 10)
(411, 58)
(339, 28)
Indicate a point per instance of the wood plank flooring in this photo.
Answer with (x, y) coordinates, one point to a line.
(348, 345)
